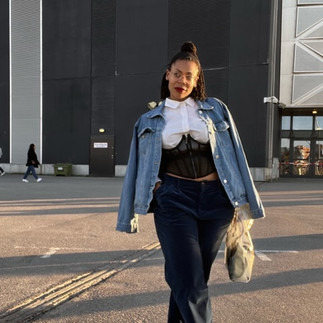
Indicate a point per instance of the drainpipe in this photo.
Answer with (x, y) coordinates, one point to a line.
(271, 82)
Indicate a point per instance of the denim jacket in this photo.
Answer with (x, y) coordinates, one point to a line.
(145, 156)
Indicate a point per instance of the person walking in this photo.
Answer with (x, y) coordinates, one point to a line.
(32, 163)
(2, 172)
(188, 166)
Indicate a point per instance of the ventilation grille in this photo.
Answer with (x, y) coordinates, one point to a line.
(25, 75)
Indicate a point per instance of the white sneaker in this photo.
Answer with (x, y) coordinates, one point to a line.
(25, 180)
(3, 173)
(39, 179)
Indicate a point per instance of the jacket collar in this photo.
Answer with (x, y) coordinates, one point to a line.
(204, 105)
(158, 111)
(175, 104)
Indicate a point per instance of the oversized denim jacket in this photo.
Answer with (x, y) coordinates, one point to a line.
(145, 156)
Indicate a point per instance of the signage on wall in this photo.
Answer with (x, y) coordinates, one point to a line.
(100, 145)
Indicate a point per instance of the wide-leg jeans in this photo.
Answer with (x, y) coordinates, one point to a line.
(30, 169)
(191, 220)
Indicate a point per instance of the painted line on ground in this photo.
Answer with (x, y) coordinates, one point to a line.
(35, 306)
(50, 252)
(261, 254)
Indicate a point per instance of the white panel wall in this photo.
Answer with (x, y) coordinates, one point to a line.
(302, 53)
(25, 78)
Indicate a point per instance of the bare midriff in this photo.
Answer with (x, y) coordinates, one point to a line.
(210, 177)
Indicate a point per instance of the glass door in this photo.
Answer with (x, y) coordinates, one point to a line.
(285, 164)
(301, 145)
(318, 158)
(301, 157)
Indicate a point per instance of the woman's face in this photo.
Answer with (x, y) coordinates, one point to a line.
(182, 78)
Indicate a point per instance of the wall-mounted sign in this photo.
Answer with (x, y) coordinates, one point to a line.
(100, 145)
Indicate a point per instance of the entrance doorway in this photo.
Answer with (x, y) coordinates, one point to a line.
(302, 146)
(102, 156)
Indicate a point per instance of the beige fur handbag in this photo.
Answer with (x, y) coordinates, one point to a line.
(239, 251)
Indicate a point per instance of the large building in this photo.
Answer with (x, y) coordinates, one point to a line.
(76, 74)
(301, 89)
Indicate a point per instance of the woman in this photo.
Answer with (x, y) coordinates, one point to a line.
(187, 157)
(2, 172)
(32, 162)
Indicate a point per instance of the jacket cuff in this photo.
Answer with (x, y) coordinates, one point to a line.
(133, 227)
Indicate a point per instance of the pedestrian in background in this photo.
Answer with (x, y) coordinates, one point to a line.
(2, 172)
(32, 163)
(186, 156)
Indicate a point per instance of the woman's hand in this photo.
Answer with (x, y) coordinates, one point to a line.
(156, 187)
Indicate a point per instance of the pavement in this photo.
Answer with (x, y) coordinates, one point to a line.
(62, 260)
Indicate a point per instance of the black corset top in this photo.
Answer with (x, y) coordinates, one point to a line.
(189, 159)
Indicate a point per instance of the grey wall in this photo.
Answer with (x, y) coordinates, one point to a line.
(103, 62)
(248, 76)
(141, 44)
(233, 39)
(66, 81)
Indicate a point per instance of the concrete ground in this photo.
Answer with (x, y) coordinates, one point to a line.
(62, 260)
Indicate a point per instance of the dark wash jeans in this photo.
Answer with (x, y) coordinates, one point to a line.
(191, 219)
(30, 169)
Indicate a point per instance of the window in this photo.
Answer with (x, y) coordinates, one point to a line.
(286, 123)
(302, 123)
(284, 156)
(301, 144)
(318, 123)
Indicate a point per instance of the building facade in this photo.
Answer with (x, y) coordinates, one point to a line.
(301, 89)
(76, 74)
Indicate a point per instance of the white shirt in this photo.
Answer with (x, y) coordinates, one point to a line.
(182, 119)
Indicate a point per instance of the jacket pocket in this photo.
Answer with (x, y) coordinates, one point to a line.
(221, 126)
(145, 139)
(145, 131)
(223, 138)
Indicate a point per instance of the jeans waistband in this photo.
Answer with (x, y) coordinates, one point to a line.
(182, 182)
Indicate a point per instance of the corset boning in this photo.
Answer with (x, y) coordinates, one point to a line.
(189, 159)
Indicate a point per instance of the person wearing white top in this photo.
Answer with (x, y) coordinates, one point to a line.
(191, 215)
(182, 119)
(182, 155)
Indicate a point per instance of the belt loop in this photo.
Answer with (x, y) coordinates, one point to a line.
(178, 183)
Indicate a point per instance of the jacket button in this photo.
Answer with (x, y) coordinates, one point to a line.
(225, 181)
(217, 156)
(200, 112)
(236, 203)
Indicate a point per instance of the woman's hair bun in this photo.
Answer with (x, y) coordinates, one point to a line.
(189, 47)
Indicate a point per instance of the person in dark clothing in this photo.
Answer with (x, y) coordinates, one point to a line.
(2, 172)
(32, 163)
